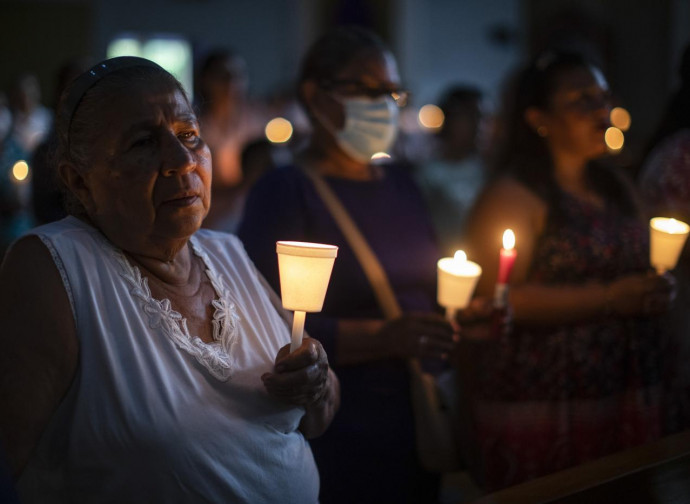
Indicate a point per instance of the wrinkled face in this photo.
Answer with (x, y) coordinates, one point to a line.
(578, 113)
(149, 182)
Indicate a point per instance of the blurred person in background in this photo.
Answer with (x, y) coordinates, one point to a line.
(229, 121)
(665, 186)
(580, 376)
(455, 174)
(350, 87)
(31, 121)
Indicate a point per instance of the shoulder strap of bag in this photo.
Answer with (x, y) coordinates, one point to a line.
(366, 257)
(370, 263)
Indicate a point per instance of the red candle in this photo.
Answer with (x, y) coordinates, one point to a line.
(507, 257)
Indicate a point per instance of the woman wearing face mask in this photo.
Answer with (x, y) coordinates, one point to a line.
(350, 88)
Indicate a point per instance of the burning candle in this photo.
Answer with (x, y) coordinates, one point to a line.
(505, 265)
(667, 238)
(305, 270)
(457, 278)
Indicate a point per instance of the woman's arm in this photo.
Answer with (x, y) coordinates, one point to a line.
(508, 204)
(39, 347)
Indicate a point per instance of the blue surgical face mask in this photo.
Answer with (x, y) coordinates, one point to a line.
(371, 125)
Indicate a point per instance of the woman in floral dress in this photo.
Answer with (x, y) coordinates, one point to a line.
(579, 376)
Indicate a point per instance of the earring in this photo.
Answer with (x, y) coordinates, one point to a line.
(542, 131)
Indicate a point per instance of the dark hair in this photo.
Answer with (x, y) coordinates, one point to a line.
(76, 130)
(524, 155)
(337, 49)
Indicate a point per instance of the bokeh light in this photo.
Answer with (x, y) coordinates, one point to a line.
(614, 139)
(620, 118)
(431, 117)
(20, 171)
(278, 130)
(380, 155)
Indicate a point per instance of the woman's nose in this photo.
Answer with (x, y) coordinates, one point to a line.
(177, 157)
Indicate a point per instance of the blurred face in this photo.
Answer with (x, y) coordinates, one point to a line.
(372, 75)
(578, 114)
(149, 182)
(465, 125)
(226, 80)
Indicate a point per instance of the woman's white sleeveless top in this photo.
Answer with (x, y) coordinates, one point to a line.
(155, 414)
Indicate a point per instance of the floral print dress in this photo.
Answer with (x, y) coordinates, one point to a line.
(548, 398)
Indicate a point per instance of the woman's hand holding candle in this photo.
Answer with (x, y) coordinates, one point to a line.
(304, 378)
(423, 335)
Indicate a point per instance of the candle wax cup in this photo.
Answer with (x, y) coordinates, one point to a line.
(456, 282)
(305, 270)
(667, 239)
(505, 265)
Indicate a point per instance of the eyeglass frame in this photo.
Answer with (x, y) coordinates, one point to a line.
(400, 96)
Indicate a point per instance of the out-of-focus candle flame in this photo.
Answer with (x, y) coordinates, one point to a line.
(460, 256)
(670, 225)
(508, 239)
(614, 138)
(20, 171)
(431, 117)
(278, 130)
(620, 118)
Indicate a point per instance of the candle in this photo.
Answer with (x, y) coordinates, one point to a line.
(667, 238)
(505, 265)
(507, 256)
(305, 270)
(457, 278)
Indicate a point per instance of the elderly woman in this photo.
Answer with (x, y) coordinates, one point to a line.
(142, 358)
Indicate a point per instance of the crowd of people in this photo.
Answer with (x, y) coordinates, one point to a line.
(152, 342)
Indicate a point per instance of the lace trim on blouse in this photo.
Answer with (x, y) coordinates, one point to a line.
(216, 357)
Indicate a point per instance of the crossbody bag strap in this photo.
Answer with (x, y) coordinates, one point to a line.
(367, 259)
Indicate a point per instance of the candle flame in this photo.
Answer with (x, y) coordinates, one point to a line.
(669, 225)
(460, 256)
(508, 239)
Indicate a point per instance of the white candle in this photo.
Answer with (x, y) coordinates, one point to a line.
(457, 278)
(667, 238)
(305, 270)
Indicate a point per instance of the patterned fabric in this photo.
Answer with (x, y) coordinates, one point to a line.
(666, 174)
(552, 397)
(665, 187)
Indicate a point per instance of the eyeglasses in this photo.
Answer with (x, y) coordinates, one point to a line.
(356, 88)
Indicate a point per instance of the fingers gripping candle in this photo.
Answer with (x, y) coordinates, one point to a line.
(305, 270)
